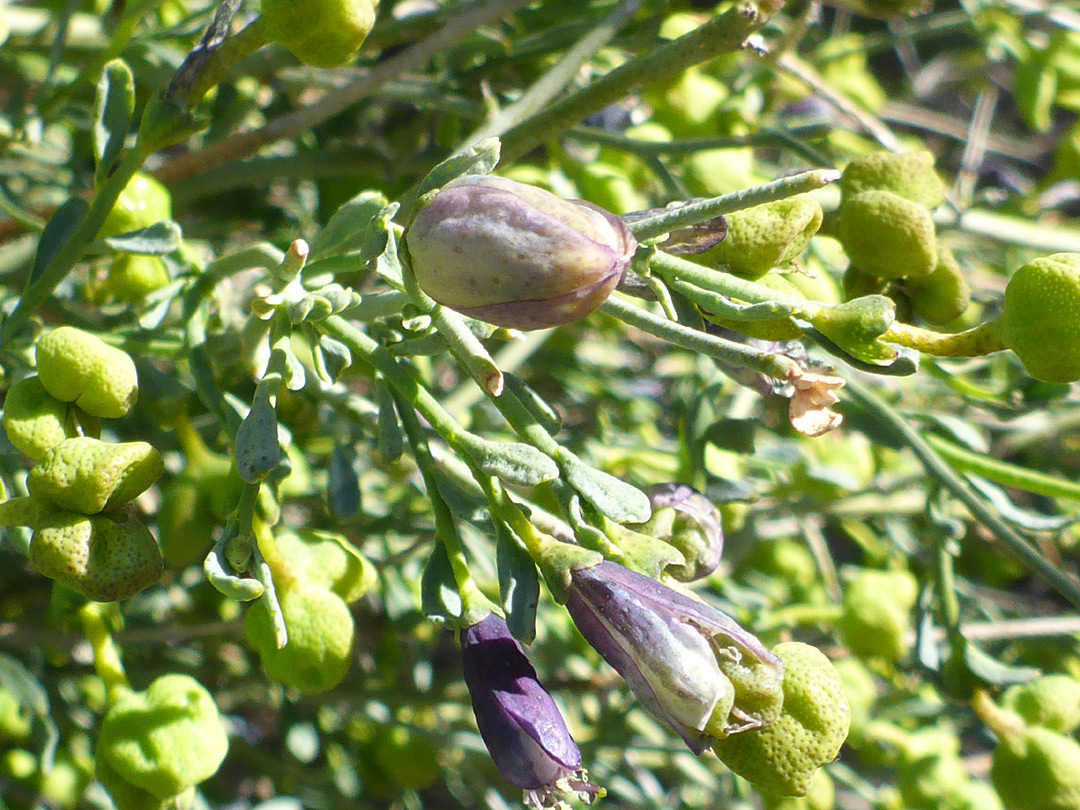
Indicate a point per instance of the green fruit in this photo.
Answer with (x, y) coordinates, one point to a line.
(1052, 701)
(132, 277)
(164, 740)
(101, 558)
(408, 757)
(687, 105)
(1041, 319)
(185, 523)
(766, 236)
(320, 629)
(143, 202)
(783, 756)
(928, 781)
(861, 690)
(329, 560)
(857, 284)
(90, 476)
(15, 718)
(609, 188)
(887, 236)
(943, 295)
(974, 795)
(321, 33)
(910, 175)
(1037, 769)
(75, 366)
(34, 420)
(876, 618)
(712, 172)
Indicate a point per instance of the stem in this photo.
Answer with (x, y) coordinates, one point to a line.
(1000, 721)
(703, 210)
(671, 268)
(975, 342)
(228, 54)
(722, 34)
(1003, 472)
(766, 137)
(107, 662)
(1064, 584)
(190, 72)
(773, 365)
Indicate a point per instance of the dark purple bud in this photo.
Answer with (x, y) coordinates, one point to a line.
(515, 255)
(688, 664)
(520, 723)
(689, 521)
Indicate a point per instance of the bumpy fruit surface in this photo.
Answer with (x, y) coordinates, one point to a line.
(75, 366)
(131, 277)
(320, 638)
(323, 33)
(90, 476)
(1037, 769)
(103, 559)
(877, 613)
(1052, 701)
(766, 236)
(943, 295)
(143, 202)
(516, 255)
(887, 236)
(166, 739)
(329, 560)
(783, 756)
(1041, 319)
(910, 175)
(34, 420)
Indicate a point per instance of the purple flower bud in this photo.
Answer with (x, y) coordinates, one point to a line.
(690, 522)
(515, 255)
(688, 664)
(519, 721)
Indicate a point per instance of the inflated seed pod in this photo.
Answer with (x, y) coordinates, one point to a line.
(34, 420)
(943, 295)
(886, 235)
(322, 33)
(909, 175)
(1041, 318)
(766, 236)
(515, 255)
(75, 366)
(90, 476)
(877, 613)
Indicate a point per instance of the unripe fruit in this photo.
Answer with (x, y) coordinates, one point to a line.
(1052, 701)
(132, 277)
(103, 559)
(687, 104)
(1037, 769)
(90, 476)
(887, 236)
(783, 756)
(609, 188)
(861, 691)
(164, 740)
(34, 420)
(766, 236)
(910, 175)
(1041, 318)
(514, 255)
(322, 33)
(143, 202)
(943, 295)
(320, 631)
(75, 366)
(877, 613)
(329, 560)
(929, 781)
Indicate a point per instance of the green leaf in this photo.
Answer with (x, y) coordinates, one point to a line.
(240, 589)
(614, 499)
(513, 462)
(993, 671)
(256, 449)
(519, 583)
(113, 108)
(479, 159)
(390, 440)
(343, 483)
(58, 230)
(543, 413)
(440, 598)
(156, 240)
(332, 357)
(355, 222)
(24, 687)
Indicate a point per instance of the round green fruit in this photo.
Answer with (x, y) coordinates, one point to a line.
(1041, 318)
(321, 33)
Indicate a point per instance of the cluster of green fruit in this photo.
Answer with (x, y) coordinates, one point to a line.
(84, 534)
(132, 276)
(317, 574)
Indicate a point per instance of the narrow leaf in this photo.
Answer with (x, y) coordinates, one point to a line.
(113, 109)
(156, 240)
(58, 230)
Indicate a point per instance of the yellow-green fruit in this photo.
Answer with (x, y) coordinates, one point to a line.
(90, 476)
(687, 104)
(164, 740)
(609, 188)
(942, 296)
(821, 796)
(842, 62)
(910, 175)
(712, 172)
(1037, 769)
(320, 33)
(857, 284)
(143, 202)
(34, 420)
(766, 236)
(887, 236)
(124, 795)
(327, 559)
(975, 795)
(1041, 319)
(783, 756)
(75, 366)
(103, 559)
(876, 616)
(1052, 701)
(408, 757)
(320, 631)
(929, 781)
(861, 691)
(132, 277)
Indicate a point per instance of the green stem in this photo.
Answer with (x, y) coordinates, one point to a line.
(1000, 721)
(231, 51)
(722, 34)
(670, 268)
(687, 146)
(976, 342)
(107, 661)
(1003, 472)
(691, 213)
(939, 469)
(773, 365)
